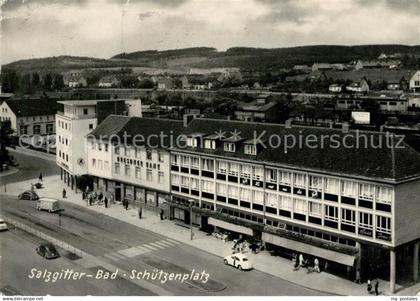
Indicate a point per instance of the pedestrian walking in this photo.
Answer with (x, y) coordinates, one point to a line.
(369, 286)
(83, 195)
(358, 279)
(376, 287)
(126, 204)
(106, 202)
(90, 200)
(140, 212)
(316, 265)
(161, 214)
(40, 177)
(301, 260)
(64, 193)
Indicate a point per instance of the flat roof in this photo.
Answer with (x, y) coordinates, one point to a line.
(88, 102)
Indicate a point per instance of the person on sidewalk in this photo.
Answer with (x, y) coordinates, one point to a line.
(40, 177)
(358, 279)
(140, 212)
(161, 214)
(126, 204)
(316, 265)
(377, 287)
(369, 286)
(64, 193)
(106, 202)
(301, 261)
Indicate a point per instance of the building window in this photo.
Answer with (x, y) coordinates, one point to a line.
(37, 129)
(50, 128)
(117, 150)
(160, 177)
(257, 173)
(271, 175)
(67, 158)
(208, 164)
(194, 183)
(315, 209)
(99, 146)
(367, 191)
(90, 126)
(315, 183)
(106, 165)
(221, 189)
(233, 192)
(332, 186)
(127, 170)
(160, 156)
(117, 168)
(185, 161)
(174, 159)
(233, 169)
(331, 213)
(138, 173)
(271, 200)
(383, 224)
(23, 129)
(300, 206)
(229, 147)
(93, 145)
(149, 175)
(148, 154)
(348, 216)
(195, 162)
(246, 171)
(245, 194)
(210, 144)
(286, 203)
(185, 182)
(285, 177)
(207, 186)
(299, 180)
(106, 147)
(100, 164)
(384, 195)
(192, 142)
(85, 111)
(94, 163)
(126, 151)
(250, 149)
(349, 189)
(365, 220)
(258, 197)
(175, 180)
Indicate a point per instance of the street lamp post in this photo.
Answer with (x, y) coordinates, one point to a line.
(191, 202)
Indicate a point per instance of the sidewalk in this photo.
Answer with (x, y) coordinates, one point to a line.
(276, 266)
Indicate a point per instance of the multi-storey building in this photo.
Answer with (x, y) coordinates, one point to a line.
(356, 207)
(78, 118)
(127, 158)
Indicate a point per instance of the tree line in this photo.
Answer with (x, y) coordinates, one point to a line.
(29, 83)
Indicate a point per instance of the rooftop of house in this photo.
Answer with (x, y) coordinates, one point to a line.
(257, 108)
(87, 102)
(33, 107)
(393, 162)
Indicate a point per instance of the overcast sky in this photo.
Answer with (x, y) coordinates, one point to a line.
(102, 28)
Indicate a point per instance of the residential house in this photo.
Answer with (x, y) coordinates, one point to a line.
(109, 81)
(165, 83)
(358, 87)
(327, 66)
(335, 88)
(414, 84)
(30, 116)
(391, 64)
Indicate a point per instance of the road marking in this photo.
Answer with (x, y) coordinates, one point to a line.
(114, 256)
(130, 252)
(174, 241)
(170, 244)
(149, 247)
(163, 244)
(156, 245)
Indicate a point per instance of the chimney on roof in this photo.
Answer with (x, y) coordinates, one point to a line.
(345, 127)
(288, 123)
(187, 118)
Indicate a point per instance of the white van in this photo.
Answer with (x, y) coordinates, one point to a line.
(51, 205)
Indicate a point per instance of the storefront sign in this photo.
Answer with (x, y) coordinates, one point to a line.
(366, 232)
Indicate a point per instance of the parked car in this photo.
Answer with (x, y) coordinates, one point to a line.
(28, 195)
(3, 225)
(47, 251)
(239, 261)
(51, 205)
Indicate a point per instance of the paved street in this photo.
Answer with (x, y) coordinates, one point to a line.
(18, 257)
(127, 247)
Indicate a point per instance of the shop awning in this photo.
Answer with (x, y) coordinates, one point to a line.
(308, 249)
(230, 226)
